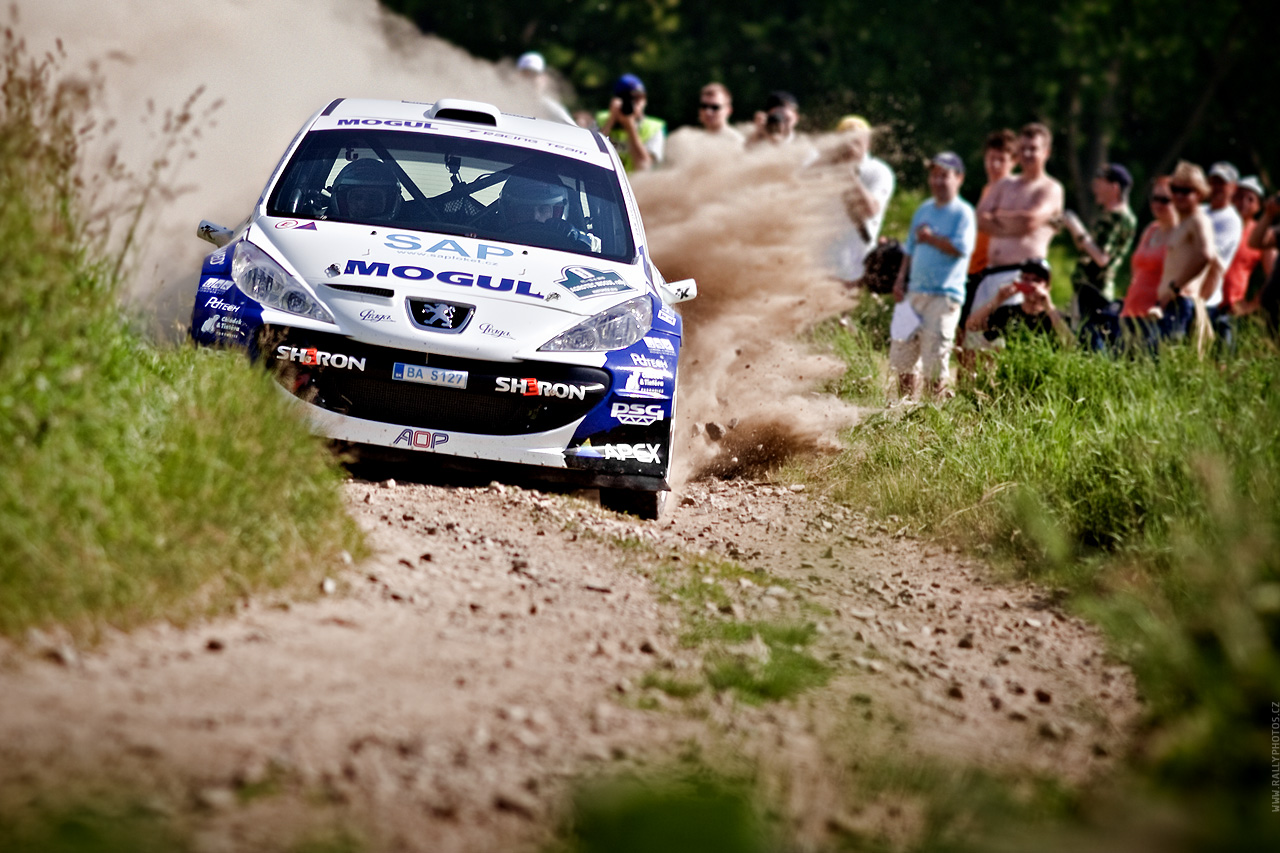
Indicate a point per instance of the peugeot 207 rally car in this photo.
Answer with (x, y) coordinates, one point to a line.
(448, 279)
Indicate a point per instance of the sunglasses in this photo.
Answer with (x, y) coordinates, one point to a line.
(1160, 199)
(1178, 190)
(715, 108)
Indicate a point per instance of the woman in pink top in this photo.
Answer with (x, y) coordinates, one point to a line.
(1147, 261)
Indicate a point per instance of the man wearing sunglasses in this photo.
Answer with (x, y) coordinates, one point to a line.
(1190, 253)
(714, 108)
(715, 136)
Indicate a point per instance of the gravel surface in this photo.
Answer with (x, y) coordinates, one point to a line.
(447, 692)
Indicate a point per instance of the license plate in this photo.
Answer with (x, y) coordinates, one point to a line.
(429, 375)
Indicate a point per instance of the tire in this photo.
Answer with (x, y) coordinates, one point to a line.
(642, 504)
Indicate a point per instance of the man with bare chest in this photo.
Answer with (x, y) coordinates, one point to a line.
(1020, 215)
(1191, 251)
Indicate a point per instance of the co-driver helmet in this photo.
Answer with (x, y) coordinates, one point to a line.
(361, 175)
(520, 195)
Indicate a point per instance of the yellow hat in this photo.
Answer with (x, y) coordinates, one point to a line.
(852, 123)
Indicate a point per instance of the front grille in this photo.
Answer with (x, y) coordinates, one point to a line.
(331, 378)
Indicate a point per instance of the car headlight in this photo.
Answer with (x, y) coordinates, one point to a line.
(618, 328)
(261, 278)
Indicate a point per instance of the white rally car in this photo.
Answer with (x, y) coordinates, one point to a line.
(449, 279)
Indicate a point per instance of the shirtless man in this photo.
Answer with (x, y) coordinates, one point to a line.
(1020, 215)
(1191, 250)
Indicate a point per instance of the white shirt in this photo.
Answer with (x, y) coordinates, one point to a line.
(1227, 229)
(851, 248)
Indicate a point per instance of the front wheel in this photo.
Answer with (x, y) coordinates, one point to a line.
(642, 504)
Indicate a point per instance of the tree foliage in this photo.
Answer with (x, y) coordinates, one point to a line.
(1142, 82)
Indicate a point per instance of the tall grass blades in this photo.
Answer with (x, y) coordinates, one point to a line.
(136, 482)
(1148, 486)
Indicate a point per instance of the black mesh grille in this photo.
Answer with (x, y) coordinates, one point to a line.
(372, 394)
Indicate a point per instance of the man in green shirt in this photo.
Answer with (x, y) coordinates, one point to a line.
(640, 140)
(1106, 247)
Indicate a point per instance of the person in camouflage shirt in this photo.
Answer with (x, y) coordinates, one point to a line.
(1105, 249)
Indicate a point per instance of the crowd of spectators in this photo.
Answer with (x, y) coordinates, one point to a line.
(1206, 257)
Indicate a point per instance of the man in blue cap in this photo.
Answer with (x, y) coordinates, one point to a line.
(931, 280)
(640, 139)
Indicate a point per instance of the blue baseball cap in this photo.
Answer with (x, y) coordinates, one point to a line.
(948, 160)
(628, 83)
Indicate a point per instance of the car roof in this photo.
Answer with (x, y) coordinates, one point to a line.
(456, 117)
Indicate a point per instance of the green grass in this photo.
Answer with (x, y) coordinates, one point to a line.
(674, 814)
(81, 828)
(757, 660)
(138, 483)
(1147, 487)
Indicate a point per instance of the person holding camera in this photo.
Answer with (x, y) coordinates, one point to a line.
(640, 139)
(990, 322)
(776, 123)
(868, 186)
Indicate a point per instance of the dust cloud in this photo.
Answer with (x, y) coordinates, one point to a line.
(752, 228)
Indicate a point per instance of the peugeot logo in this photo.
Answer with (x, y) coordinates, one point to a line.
(438, 315)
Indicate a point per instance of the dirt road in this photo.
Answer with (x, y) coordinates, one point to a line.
(450, 689)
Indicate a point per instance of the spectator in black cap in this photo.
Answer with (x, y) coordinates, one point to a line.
(640, 139)
(777, 122)
(1036, 313)
(1105, 248)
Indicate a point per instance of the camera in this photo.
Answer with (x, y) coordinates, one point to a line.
(628, 99)
(775, 121)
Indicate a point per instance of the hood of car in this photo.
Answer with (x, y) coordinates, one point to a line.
(446, 293)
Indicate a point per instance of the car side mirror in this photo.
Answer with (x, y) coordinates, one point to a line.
(215, 234)
(678, 291)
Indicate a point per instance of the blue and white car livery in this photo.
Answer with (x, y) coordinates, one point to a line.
(445, 278)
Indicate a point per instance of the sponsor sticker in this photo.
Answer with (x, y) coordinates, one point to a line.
(369, 315)
(383, 269)
(585, 282)
(493, 331)
(295, 225)
(223, 328)
(647, 453)
(319, 358)
(542, 388)
(636, 414)
(420, 439)
(660, 346)
(646, 361)
(216, 285)
(222, 305)
(429, 375)
(412, 243)
(644, 382)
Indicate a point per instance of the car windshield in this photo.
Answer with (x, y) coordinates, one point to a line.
(479, 189)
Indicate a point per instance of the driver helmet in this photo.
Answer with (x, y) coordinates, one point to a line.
(366, 189)
(530, 199)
